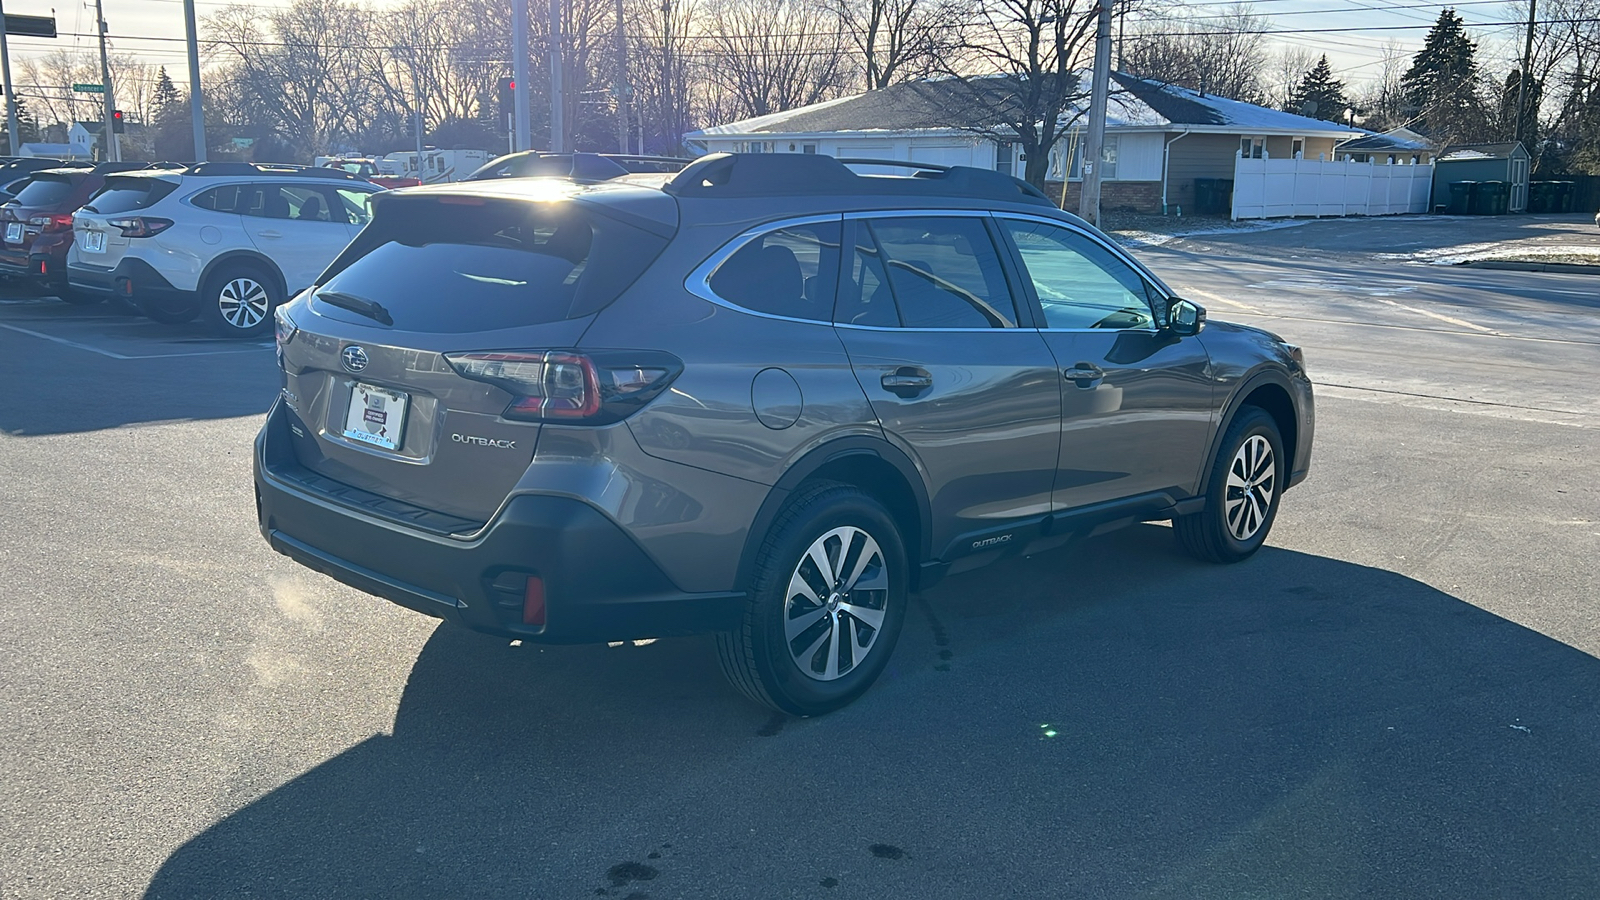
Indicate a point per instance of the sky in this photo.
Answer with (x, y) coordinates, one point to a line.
(153, 29)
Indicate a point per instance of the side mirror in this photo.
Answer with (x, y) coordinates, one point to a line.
(1185, 317)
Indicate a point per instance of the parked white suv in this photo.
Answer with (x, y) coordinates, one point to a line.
(223, 241)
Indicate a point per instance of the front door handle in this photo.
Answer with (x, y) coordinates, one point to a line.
(907, 381)
(269, 234)
(1084, 374)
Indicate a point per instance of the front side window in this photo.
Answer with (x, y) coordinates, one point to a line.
(788, 272)
(1080, 284)
(943, 272)
(357, 205)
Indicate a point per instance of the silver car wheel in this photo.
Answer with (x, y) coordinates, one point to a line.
(1252, 481)
(243, 302)
(837, 599)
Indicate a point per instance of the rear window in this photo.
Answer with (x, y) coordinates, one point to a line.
(456, 268)
(128, 194)
(46, 190)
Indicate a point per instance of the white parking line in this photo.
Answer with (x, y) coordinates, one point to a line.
(254, 348)
(1218, 298)
(1433, 315)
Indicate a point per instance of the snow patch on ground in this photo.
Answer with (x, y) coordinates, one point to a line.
(1498, 250)
(1136, 238)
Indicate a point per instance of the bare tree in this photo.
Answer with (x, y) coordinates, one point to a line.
(899, 40)
(767, 56)
(1223, 54)
(662, 74)
(1016, 73)
(1287, 70)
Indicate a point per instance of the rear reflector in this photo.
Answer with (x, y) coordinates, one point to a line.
(533, 601)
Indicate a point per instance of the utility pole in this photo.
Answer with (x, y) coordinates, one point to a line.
(624, 91)
(416, 105)
(196, 108)
(1522, 79)
(668, 117)
(1089, 202)
(113, 148)
(11, 90)
(522, 111)
(558, 100)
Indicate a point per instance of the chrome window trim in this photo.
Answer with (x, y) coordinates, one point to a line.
(919, 213)
(698, 281)
(1116, 252)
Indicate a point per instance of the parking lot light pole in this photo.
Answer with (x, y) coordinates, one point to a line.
(11, 89)
(522, 112)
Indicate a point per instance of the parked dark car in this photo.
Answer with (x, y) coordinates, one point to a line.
(766, 398)
(36, 225)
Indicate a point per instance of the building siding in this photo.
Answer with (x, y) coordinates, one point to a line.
(1198, 156)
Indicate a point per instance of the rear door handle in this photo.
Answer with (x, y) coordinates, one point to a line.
(907, 381)
(1084, 374)
(269, 234)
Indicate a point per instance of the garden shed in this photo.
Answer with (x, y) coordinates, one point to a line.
(1478, 165)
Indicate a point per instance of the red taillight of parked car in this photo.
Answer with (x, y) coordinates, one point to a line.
(533, 601)
(52, 222)
(140, 226)
(590, 387)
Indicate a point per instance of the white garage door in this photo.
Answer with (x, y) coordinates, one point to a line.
(943, 154)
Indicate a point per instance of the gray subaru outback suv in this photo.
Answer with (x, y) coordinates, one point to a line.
(766, 398)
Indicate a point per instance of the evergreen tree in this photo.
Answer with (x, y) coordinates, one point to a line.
(26, 124)
(166, 93)
(1529, 132)
(1441, 87)
(1319, 94)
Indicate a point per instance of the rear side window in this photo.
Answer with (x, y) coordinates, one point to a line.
(128, 194)
(451, 266)
(46, 190)
(785, 272)
(944, 272)
(223, 199)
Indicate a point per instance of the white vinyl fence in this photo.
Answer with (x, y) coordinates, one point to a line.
(1276, 188)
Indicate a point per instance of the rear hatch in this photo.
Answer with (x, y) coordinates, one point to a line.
(414, 368)
(113, 217)
(39, 207)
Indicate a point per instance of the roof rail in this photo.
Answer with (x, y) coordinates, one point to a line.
(787, 174)
(244, 168)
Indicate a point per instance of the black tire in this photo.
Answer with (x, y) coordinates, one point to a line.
(1213, 534)
(232, 297)
(757, 657)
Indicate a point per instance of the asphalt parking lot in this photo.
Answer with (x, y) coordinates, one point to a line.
(1398, 697)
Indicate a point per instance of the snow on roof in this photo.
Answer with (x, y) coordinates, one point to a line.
(952, 104)
(1502, 150)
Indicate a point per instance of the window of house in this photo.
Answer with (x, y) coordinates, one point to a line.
(1297, 148)
(1252, 147)
(1109, 151)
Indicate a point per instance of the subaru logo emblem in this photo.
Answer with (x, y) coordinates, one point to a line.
(355, 358)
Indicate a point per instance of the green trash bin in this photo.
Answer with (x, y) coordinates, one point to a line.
(1539, 195)
(1564, 190)
(1490, 198)
(1213, 196)
(1460, 198)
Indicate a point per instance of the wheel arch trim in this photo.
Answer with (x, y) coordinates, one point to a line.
(1248, 385)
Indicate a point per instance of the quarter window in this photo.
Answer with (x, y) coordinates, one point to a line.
(788, 271)
(1080, 284)
(942, 272)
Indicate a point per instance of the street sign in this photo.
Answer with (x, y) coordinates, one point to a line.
(89, 88)
(31, 26)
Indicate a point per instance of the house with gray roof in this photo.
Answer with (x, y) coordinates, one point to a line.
(1162, 141)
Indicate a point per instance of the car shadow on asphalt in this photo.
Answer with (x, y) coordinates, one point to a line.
(1108, 720)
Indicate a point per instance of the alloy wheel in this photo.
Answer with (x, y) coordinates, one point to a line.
(1252, 481)
(837, 599)
(243, 302)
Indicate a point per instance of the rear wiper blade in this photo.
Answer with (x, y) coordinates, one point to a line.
(372, 309)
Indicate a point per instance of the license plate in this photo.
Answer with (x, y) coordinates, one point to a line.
(94, 242)
(377, 416)
(13, 232)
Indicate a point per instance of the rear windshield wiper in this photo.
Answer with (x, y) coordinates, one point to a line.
(372, 309)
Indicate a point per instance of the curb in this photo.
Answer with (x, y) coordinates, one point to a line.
(1573, 268)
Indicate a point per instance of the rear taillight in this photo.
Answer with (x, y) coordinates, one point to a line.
(594, 387)
(140, 226)
(284, 328)
(52, 222)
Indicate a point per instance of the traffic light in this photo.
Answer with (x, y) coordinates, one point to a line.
(117, 123)
(508, 96)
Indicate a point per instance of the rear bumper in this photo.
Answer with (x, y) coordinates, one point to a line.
(598, 584)
(133, 279)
